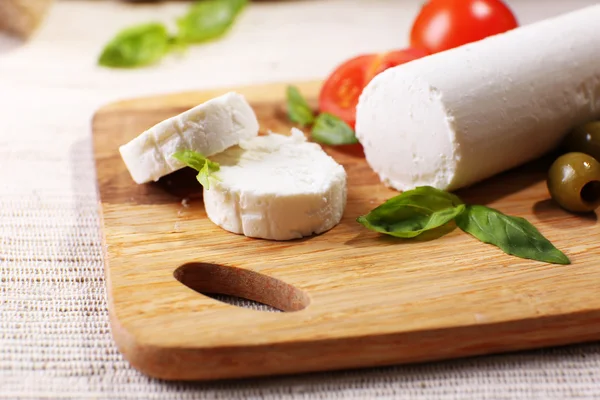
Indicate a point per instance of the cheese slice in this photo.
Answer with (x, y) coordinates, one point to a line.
(208, 128)
(455, 118)
(276, 187)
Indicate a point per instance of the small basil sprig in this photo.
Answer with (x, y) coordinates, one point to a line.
(425, 208)
(327, 128)
(136, 46)
(209, 19)
(298, 109)
(146, 44)
(197, 161)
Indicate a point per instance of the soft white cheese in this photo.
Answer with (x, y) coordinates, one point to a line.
(208, 128)
(276, 187)
(457, 117)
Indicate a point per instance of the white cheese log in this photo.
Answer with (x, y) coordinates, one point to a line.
(276, 187)
(455, 118)
(208, 128)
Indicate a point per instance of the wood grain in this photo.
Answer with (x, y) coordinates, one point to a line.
(353, 298)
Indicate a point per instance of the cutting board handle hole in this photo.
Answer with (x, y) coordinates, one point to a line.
(214, 279)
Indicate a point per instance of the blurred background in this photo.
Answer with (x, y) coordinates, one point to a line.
(269, 41)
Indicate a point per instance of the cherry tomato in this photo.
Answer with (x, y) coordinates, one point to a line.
(340, 92)
(384, 61)
(445, 24)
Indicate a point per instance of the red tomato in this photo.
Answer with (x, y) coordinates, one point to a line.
(392, 59)
(445, 24)
(340, 92)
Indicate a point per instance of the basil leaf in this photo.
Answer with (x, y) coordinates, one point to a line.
(513, 235)
(428, 196)
(413, 212)
(298, 109)
(209, 19)
(237, 5)
(204, 175)
(197, 161)
(136, 46)
(408, 221)
(329, 129)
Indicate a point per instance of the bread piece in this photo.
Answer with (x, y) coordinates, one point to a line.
(22, 17)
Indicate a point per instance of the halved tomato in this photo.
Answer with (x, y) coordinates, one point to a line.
(340, 92)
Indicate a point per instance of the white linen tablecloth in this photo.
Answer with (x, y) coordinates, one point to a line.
(55, 340)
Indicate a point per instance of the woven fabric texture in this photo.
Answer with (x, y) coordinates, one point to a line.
(55, 339)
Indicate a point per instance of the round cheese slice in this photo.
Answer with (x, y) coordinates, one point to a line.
(276, 187)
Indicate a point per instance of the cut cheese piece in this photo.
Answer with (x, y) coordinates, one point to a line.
(276, 187)
(454, 118)
(208, 128)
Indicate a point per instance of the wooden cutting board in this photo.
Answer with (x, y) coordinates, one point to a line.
(351, 297)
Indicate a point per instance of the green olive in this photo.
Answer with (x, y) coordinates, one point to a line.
(585, 139)
(574, 182)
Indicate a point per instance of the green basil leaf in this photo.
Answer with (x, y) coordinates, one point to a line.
(298, 109)
(427, 196)
(136, 46)
(413, 212)
(197, 161)
(513, 235)
(331, 130)
(408, 221)
(237, 5)
(209, 19)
